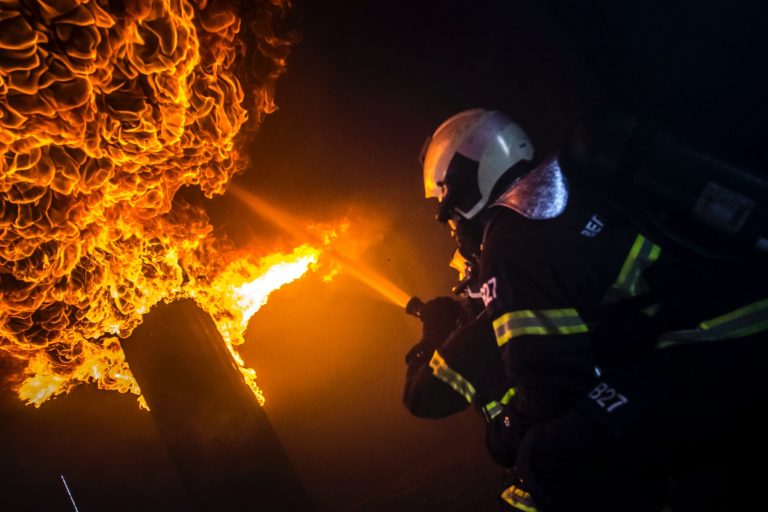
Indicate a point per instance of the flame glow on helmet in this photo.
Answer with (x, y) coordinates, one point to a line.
(444, 143)
(488, 137)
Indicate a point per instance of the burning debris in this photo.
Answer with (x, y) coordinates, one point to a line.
(107, 109)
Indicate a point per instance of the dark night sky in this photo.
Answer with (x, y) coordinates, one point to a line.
(364, 88)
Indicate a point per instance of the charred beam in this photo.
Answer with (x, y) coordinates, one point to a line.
(219, 437)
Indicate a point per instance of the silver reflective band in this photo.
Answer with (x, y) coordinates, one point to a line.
(745, 321)
(443, 372)
(537, 322)
(540, 194)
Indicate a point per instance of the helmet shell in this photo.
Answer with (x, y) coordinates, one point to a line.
(488, 138)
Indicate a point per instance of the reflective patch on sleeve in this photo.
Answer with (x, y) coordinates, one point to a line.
(537, 322)
(642, 255)
(508, 396)
(494, 408)
(491, 410)
(443, 372)
(745, 321)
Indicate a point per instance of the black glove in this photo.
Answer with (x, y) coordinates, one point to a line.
(439, 318)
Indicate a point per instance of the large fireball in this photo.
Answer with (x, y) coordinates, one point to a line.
(107, 109)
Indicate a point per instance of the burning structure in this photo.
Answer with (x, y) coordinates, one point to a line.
(107, 110)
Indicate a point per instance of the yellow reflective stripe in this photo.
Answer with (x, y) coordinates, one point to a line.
(508, 396)
(443, 372)
(494, 408)
(642, 254)
(538, 322)
(745, 321)
(518, 498)
(491, 410)
(730, 320)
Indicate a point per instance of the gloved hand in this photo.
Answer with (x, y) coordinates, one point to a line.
(439, 318)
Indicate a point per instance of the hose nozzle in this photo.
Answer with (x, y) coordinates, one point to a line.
(413, 307)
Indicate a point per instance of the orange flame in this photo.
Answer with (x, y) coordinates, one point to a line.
(349, 263)
(104, 116)
(243, 288)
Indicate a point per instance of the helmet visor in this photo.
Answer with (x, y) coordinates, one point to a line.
(441, 147)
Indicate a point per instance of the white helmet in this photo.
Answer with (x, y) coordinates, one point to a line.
(466, 157)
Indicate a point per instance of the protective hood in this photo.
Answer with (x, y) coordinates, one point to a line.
(540, 194)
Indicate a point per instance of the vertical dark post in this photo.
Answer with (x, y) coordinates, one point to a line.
(220, 439)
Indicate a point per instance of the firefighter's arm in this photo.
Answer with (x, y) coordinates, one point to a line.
(464, 369)
(426, 396)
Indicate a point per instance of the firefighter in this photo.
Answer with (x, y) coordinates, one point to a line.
(634, 361)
